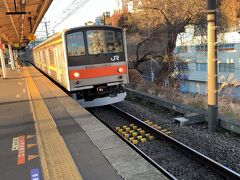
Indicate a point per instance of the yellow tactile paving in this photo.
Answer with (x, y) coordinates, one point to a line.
(56, 160)
(134, 134)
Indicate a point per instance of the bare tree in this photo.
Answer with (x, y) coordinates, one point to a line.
(160, 21)
(231, 11)
(169, 18)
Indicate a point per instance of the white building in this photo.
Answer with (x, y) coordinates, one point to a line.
(128, 5)
(196, 56)
(98, 21)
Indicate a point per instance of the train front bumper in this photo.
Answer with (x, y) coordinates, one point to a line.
(103, 100)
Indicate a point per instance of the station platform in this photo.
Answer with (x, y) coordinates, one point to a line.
(45, 134)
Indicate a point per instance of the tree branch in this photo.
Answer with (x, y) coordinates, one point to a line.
(158, 9)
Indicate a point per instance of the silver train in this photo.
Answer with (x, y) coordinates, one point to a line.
(89, 62)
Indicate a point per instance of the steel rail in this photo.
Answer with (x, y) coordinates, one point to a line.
(224, 171)
(144, 155)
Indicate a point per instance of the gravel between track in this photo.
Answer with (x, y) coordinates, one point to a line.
(223, 146)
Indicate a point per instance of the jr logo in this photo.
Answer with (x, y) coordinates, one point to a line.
(115, 58)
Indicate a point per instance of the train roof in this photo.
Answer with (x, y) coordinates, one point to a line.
(93, 27)
(53, 37)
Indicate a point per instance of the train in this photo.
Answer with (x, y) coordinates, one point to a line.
(89, 62)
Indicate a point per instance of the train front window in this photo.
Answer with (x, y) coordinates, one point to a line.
(75, 44)
(104, 41)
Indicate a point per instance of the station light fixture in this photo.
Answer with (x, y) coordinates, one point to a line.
(16, 13)
(22, 3)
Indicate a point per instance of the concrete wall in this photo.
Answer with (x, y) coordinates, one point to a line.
(194, 87)
(225, 122)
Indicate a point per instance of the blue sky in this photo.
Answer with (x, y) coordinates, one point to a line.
(88, 12)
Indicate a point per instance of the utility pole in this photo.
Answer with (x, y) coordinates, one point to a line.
(105, 16)
(104, 19)
(213, 123)
(46, 28)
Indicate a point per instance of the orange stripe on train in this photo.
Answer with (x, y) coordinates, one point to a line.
(97, 72)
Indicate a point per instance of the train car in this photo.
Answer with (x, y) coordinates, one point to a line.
(89, 62)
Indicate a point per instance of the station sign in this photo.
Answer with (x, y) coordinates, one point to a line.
(16, 45)
(31, 37)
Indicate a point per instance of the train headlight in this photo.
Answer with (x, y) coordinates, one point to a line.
(76, 74)
(120, 70)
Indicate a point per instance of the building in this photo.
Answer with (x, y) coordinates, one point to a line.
(98, 21)
(196, 57)
(104, 19)
(128, 6)
(123, 7)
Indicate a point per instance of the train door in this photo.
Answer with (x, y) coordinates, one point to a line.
(44, 61)
(36, 61)
(57, 63)
(64, 76)
(61, 62)
(48, 61)
(41, 60)
(52, 59)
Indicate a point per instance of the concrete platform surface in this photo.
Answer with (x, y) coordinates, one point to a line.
(19, 155)
(95, 151)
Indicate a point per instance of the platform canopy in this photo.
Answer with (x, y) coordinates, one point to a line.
(20, 18)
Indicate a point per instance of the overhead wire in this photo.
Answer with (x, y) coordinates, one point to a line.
(72, 8)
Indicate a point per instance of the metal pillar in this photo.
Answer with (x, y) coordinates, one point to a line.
(213, 123)
(11, 56)
(4, 72)
(15, 55)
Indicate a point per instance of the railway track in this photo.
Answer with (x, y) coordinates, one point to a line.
(171, 157)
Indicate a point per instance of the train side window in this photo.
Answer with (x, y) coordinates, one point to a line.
(51, 56)
(75, 44)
